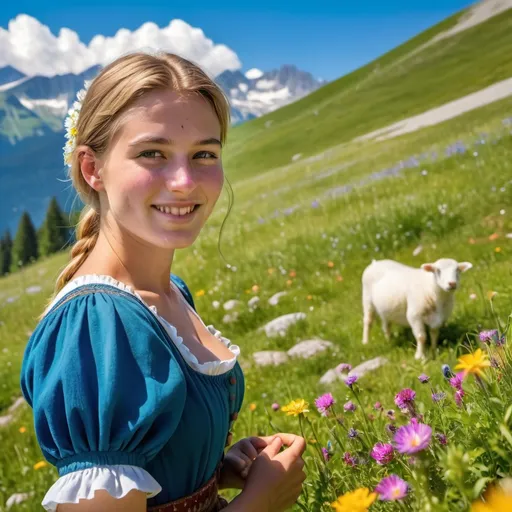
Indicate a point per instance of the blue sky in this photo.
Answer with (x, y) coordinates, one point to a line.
(327, 38)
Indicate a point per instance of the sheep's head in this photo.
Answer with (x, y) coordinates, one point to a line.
(447, 272)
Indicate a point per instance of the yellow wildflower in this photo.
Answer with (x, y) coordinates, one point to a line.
(22, 430)
(296, 407)
(289, 282)
(495, 501)
(252, 407)
(355, 501)
(330, 264)
(474, 363)
(200, 293)
(255, 288)
(40, 464)
(498, 249)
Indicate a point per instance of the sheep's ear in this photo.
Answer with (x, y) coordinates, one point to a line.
(428, 267)
(466, 265)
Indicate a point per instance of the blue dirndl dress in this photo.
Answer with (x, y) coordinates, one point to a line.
(119, 401)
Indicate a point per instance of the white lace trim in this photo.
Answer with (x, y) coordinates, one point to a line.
(117, 480)
(207, 368)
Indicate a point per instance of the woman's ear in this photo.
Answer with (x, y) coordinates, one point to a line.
(90, 167)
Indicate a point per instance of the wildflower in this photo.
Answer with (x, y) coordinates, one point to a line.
(355, 501)
(275, 406)
(442, 439)
(352, 433)
(405, 398)
(40, 464)
(292, 273)
(200, 293)
(474, 363)
(392, 488)
(289, 282)
(326, 454)
(438, 397)
(296, 407)
(255, 288)
(22, 430)
(413, 438)
(349, 381)
(324, 403)
(423, 378)
(349, 460)
(457, 380)
(377, 406)
(350, 406)
(459, 395)
(496, 500)
(382, 453)
(391, 428)
(391, 415)
(252, 407)
(488, 336)
(447, 372)
(343, 367)
(330, 264)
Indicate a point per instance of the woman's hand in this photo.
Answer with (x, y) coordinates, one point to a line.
(275, 478)
(238, 461)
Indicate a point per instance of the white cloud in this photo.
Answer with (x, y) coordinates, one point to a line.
(30, 47)
(253, 74)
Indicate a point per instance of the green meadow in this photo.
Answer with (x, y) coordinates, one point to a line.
(309, 228)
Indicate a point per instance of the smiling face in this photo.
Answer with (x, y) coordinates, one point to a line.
(163, 191)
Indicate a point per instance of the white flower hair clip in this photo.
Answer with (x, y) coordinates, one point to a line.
(71, 121)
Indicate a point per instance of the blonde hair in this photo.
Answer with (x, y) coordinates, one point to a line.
(111, 93)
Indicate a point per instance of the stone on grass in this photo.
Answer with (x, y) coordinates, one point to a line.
(253, 302)
(309, 348)
(270, 357)
(281, 324)
(274, 300)
(17, 498)
(330, 376)
(231, 304)
(368, 366)
(33, 289)
(230, 317)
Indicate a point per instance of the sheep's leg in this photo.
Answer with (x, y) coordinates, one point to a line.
(434, 336)
(368, 312)
(385, 327)
(420, 334)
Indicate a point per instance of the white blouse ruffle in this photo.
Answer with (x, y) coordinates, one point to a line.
(119, 480)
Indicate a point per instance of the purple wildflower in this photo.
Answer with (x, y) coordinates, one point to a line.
(343, 367)
(459, 395)
(324, 403)
(413, 438)
(349, 460)
(378, 406)
(392, 488)
(442, 439)
(456, 382)
(488, 336)
(349, 381)
(423, 378)
(391, 428)
(352, 433)
(350, 406)
(438, 397)
(382, 453)
(391, 415)
(275, 406)
(405, 398)
(326, 454)
(315, 204)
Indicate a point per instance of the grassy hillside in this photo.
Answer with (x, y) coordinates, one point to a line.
(404, 82)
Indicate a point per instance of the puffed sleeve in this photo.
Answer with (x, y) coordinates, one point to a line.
(107, 394)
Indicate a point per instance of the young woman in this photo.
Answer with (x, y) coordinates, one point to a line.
(133, 395)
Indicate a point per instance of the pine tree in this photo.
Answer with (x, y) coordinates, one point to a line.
(5, 253)
(54, 233)
(24, 249)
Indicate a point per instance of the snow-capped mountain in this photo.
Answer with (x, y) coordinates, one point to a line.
(256, 93)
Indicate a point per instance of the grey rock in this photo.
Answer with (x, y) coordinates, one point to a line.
(270, 357)
(309, 348)
(281, 324)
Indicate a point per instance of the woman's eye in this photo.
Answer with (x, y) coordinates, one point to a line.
(205, 154)
(146, 153)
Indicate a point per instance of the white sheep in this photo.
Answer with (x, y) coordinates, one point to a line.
(409, 296)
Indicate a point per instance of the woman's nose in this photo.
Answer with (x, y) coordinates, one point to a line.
(181, 177)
